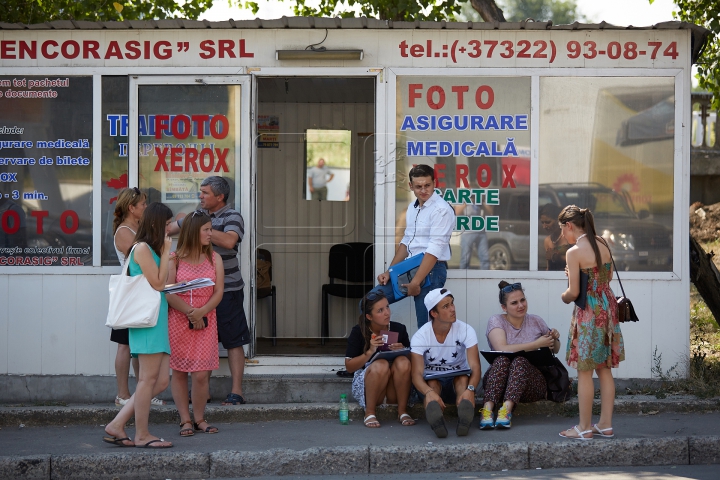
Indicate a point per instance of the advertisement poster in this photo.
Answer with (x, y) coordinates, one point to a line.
(475, 133)
(45, 171)
(268, 129)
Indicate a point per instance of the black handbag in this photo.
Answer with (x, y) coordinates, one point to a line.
(559, 386)
(625, 309)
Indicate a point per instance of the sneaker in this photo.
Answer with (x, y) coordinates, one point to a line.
(487, 419)
(120, 401)
(504, 418)
(156, 402)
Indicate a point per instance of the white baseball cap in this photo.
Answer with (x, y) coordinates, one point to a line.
(433, 298)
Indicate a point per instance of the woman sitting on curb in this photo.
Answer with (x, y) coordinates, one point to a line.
(381, 379)
(516, 380)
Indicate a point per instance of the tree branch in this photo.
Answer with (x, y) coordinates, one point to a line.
(488, 10)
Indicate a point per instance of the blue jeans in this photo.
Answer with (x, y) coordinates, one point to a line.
(437, 277)
(468, 241)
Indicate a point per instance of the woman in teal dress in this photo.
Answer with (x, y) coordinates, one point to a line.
(151, 345)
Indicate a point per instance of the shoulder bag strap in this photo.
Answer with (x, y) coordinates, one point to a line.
(613, 262)
(126, 267)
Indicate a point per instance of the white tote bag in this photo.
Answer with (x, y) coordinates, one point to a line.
(134, 303)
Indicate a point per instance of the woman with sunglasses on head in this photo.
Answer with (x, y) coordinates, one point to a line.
(192, 320)
(555, 244)
(129, 208)
(517, 380)
(151, 345)
(595, 341)
(381, 379)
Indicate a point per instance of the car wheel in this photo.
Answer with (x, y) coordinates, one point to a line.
(500, 257)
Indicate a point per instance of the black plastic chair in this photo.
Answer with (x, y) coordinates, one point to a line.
(349, 262)
(270, 291)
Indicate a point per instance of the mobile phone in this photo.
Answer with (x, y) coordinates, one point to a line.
(205, 321)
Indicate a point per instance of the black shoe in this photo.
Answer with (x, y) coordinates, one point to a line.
(466, 414)
(434, 416)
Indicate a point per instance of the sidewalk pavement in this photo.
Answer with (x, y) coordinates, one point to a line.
(257, 440)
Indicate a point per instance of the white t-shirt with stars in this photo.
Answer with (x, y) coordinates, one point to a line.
(448, 356)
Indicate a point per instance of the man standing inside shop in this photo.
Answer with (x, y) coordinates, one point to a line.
(228, 230)
(318, 177)
(429, 225)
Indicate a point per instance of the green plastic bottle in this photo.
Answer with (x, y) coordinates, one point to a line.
(344, 413)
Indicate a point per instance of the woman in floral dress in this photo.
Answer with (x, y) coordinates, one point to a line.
(192, 321)
(595, 341)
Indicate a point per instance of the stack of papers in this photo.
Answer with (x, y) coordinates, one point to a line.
(186, 286)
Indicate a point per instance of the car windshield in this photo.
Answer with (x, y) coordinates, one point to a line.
(601, 203)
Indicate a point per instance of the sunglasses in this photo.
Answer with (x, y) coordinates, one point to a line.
(371, 297)
(197, 212)
(510, 288)
(136, 191)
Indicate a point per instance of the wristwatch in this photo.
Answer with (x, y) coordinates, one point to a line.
(471, 388)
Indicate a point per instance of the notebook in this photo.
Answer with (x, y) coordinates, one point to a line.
(540, 357)
(402, 273)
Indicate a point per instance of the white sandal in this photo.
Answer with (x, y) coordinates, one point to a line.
(371, 423)
(581, 435)
(601, 431)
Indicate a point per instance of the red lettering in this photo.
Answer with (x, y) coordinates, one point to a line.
(161, 123)
(90, 47)
(146, 50)
(441, 102)
(226, 46)
(413, 93)
(176, 159)
(403, 49)
(113, 50)
(206, 152)
(191, 155)
(484, 168)
(161, 163)
(439, 174)
(416, 50)
(243, 53)
(490, 97)
(176, 121)
(221, 154)
(39, 215)
(162, 53)
(224, 124)
(461, 173)
(74, 221)
(7, 49)
(133, 50)
(15, 216)
(508, 171)
(44, 49)
(30, 49)
(208, 49)
(460, 91)
(65, 49)
(199, 121)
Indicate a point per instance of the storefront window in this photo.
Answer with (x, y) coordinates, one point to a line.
(114, 157)
(186, 133)
(45, 171)
(475, 133)
(607, 144)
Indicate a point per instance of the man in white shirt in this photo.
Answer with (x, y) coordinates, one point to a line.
(444, 356)
(318, 177)
(429, 224)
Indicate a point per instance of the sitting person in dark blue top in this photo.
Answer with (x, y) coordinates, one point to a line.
(382, 379)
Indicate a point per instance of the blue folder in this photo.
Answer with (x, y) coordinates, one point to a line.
(402, 273)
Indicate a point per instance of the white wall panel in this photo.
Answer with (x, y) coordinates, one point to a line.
(670, 328)
(4, 313)
(25, 317)
(59, 324)
(95, 354)
(638, 336)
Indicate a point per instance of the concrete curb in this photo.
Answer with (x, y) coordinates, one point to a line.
(137, 465)
(102, 414)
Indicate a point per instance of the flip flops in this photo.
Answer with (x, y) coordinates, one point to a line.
(120, 442)
(151, 442)
(581, 435)
(601, 431)
(406, 420)
(434, 416)
(371, 421)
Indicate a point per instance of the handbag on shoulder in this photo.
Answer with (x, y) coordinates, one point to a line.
(625, 309)
(134, 303)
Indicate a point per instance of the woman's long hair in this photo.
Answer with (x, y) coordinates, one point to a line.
(152, 226)
(189, 241)
(367, 304)
(583, 219)
(126, 198)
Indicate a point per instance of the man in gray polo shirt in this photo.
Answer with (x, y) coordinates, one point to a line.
(318, 177)
(228, 230)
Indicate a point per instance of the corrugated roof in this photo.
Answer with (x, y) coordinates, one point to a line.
(700, 35)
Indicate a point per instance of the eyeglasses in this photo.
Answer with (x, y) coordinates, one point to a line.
(510, 288)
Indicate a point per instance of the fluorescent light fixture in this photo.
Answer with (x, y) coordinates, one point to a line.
(318, 54)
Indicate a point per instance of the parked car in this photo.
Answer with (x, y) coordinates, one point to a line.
(637, 242)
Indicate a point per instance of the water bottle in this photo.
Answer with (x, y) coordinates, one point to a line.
(344, 414)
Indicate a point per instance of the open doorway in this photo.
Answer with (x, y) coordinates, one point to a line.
(315, 189)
